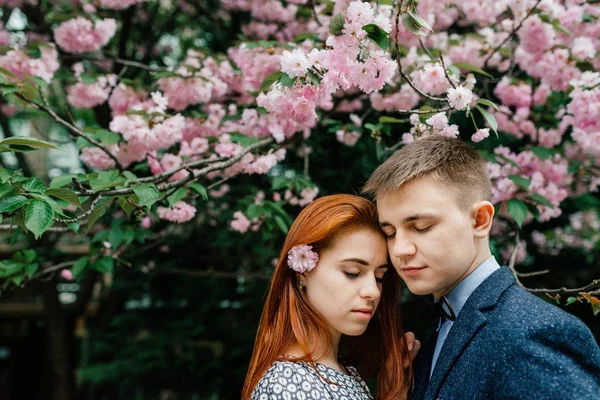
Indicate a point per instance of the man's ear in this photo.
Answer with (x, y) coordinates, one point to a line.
(483, 214)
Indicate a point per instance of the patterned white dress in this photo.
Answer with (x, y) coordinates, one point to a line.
(289, 380)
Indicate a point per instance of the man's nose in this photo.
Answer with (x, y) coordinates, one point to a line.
(402, 247)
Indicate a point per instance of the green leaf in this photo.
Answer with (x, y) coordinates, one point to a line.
(27, 141)
(378, 35)
(130, 176)
(104, 265)
(79, 267)
(421, 23)
(336, 24)
(391, 120)
(269, 80)
(11, 203)
(286, 80)
(571, 300)
(4, 174)
(34, 185)
(412, 25)
(518, 210)
(147, 194)
(521, 181)
(586, 201)
(126, 205)
(31, 269)
(107, 137)
(488, 103)
(538, 198)
(6, 90)
(473, 68)
(6, 72)
(6, 188)
(281, 224)
(178, 195)
(65, 180)
(543, 152)
(595, 308)
(491, 120)
(201, 190)
(65, 194)
(98, 211)
(38, 217)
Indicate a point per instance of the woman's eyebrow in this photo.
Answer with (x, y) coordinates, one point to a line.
(363, 262)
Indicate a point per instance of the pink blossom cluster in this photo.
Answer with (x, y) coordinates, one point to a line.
(437, 124)
(20, 63)
(96, 158)
(403, 99)
(242, 224)
(582, 232)
(89, 95)
(179, 212)
(585, 110)
(305, 197)
(80, 35)
(549, 178)
(118, 4)
(198, 83)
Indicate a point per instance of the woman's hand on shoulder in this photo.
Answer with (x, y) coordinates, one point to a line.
(413, 346)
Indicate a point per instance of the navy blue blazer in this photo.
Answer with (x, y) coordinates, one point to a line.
(508, 344)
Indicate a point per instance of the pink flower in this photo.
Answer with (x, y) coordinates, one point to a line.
(180, 212)
(301, 258)
(480, 135)
(96, 158)
(294, 63)
(240, 223)
(87, 95)
(146, 222)
(79, 35)
(119, 4)
(460, 98)
(67, 274)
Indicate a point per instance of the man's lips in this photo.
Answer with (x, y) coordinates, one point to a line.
(411, 270)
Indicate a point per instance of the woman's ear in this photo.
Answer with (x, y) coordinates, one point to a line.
(483, 214)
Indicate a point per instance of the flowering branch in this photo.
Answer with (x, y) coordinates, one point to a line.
(563, 290)
(72, 128)
(512, 33)
(182, 182)
(82, 216)
(167, 174)
(439, 110)
(401, 70)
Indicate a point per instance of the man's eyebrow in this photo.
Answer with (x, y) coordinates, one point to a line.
(363, 262)
(414, 217)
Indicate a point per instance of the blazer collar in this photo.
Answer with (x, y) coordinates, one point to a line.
(468, 323)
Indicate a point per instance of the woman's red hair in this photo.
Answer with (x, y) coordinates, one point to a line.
(288, 319)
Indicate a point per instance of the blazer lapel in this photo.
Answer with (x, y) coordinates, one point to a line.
(422, 367)
(468, 323)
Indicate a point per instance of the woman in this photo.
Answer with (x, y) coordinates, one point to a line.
(331, 316)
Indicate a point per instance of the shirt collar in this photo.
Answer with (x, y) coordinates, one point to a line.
(459, 295)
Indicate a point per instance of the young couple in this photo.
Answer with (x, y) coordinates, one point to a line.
(331, 316)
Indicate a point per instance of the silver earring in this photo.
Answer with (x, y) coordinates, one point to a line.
(301, 284)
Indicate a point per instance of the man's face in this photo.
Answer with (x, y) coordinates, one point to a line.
(430, 239)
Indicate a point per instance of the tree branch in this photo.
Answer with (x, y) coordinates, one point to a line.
(72, 128)
(190, 178)
(512, 33)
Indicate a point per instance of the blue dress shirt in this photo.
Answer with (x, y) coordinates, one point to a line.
(458, 297)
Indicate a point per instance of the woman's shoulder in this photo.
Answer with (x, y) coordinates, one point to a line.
(286, 380)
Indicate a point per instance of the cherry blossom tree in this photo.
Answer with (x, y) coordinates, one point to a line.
(187, 113)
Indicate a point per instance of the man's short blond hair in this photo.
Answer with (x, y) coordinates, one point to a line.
(444, 159)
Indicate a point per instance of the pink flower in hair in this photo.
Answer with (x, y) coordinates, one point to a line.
(301, 258)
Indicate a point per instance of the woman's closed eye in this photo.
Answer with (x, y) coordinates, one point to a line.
(421, 228)
(355, 275)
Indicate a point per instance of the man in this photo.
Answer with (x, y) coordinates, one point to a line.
(494, 340)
